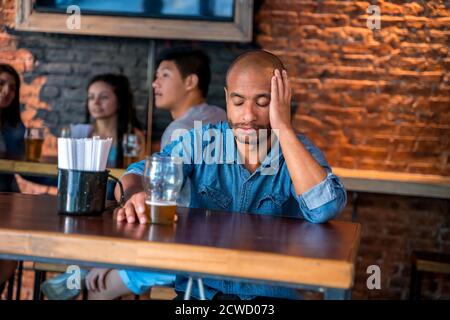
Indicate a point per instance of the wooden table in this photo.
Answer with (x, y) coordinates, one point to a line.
(255, 248)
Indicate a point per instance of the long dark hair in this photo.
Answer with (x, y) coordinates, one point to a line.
(126, 114)
(11, 114)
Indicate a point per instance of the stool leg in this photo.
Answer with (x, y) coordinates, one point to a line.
(2, 287)
(187, 294)
(9, 295)
(201, 289)
(84, 295)
(39, 277)
(19, 279)
(44, 277)
(415, 284)
(355, 206)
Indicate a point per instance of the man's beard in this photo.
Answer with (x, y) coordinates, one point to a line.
(253, 138)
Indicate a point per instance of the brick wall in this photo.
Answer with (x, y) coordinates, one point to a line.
(369, 99)
(392, 228)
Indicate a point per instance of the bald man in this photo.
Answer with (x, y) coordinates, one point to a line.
(266, 168)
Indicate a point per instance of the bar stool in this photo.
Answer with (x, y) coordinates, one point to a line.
(423, 261)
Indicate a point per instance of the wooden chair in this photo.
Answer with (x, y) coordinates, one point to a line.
(426, 262)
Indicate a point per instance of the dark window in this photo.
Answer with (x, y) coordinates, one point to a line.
(208, 10)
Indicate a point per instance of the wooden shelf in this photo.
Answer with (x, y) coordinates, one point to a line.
(35, 168)
(407, 184)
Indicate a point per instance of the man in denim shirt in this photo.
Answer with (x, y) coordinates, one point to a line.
(290, 176)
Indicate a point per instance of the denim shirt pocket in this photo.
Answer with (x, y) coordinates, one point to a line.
(272, 203)
(215, 196)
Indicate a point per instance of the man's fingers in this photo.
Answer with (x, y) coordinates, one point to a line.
(102, 280)
(95, 284)
(120, 214)
(274, 89)
(280, 84)
(88, 282)
(130, 213)
(139, 204)
(287, 88)
(142, 216)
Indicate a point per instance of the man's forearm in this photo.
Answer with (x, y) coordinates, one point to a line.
(132, 184)
(304, 170)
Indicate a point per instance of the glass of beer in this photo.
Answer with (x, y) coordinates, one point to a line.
(34, 138)
(131, 149)
(163, 177)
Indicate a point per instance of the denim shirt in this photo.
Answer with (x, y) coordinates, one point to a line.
(229, 186)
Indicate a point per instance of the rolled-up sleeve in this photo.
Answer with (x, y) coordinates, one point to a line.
(324, 201)
(136, 168)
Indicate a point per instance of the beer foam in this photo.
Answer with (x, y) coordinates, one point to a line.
(161, 203)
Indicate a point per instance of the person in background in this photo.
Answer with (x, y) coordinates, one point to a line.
(181, 86)
(12, 144)
(110, 113)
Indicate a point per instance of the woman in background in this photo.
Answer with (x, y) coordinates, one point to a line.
(11, 140)
(110, 113)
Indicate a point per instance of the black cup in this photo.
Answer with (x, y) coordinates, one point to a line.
(83, 192)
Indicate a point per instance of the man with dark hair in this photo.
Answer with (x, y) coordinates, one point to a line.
(290, 176)
(181, 87)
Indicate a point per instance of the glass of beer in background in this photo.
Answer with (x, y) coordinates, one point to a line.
(163, 177)
(34, 138)
(131, 149)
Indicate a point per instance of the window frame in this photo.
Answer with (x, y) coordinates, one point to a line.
(240, 30)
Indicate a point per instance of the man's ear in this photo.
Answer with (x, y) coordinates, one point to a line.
(226, 94)
(191, 82)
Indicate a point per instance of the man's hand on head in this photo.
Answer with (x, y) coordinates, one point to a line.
(280, 101)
